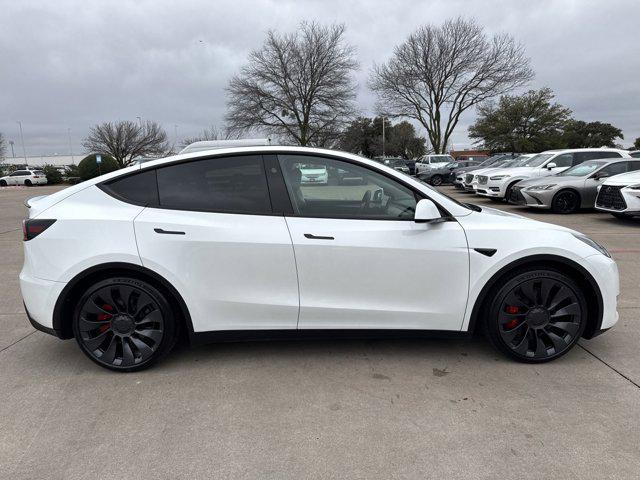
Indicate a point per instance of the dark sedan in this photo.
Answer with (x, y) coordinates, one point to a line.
(444, 174)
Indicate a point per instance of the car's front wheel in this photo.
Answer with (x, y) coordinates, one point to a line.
(124, 324)
(566, 201)
(436, 180)
(536, 315)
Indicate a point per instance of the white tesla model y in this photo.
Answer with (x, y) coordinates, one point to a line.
(231, 243)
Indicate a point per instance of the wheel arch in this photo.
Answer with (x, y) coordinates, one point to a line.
(569, 267)
(63, 310)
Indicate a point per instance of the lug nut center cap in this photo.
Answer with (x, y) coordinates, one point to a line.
(123, 325)
(538, 317)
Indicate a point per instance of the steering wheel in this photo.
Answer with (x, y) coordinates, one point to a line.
(366, 200)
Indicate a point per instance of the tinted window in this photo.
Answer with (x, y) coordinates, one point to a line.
(583, 156)
(139, 188)
(227, 184)
(19, 173)
(636, 154)
(615, 168)
(633, 166)
(38, 172)
(347, 191)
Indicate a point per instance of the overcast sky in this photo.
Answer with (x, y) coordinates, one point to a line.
(68, 65)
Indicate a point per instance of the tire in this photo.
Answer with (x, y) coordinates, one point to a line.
(28, 183)
(124, 324)
(436, 180)
(565, 201)
(507, 194)
(534, 324)
(495, 199)
(3, 183)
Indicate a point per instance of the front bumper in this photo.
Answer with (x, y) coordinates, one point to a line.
(605, 273)
(618, 200)
(493, 189)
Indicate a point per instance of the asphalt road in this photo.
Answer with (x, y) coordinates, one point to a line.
(324, 409)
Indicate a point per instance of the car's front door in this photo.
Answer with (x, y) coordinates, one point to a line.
(363, 263)
(216, 238)
(17, 178)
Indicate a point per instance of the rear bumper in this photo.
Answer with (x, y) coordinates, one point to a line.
(40, 297)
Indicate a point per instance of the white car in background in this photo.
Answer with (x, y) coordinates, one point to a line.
(427, 162)
(314, 174)
(225, 243)
(502, 183)
(620, 195)
(470, 183)
(24, 177)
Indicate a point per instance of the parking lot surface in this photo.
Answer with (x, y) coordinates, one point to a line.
(323, 409)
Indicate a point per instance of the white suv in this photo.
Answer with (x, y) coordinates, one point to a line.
(231, 243)
(427, 162)
(500, 183)
(620, 195)
(24, 177)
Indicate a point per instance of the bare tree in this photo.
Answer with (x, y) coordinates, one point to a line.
(127, 140)
(211, 133)
(298, 86)
(3, 146)
(440, 72)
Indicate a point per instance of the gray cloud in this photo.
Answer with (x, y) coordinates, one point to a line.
(68, 64)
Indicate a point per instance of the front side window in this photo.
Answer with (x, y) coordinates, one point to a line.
(234, 184)
(582, 170)
(616, 168)
(563, 160)
(20, 173)
(349, 191)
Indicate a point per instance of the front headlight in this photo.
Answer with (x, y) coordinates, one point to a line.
(593, 244)
(499, 177)
(542, 187)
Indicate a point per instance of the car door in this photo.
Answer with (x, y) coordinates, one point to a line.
(363, 263)
(17, 177)
(592, 182)
(215, 236)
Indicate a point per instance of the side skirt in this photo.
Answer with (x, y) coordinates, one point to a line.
(224, 336)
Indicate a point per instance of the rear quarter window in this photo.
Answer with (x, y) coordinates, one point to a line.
(139, 188)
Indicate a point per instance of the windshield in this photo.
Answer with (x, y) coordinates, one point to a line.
(537, 160)
(582, 170)
(468, 206)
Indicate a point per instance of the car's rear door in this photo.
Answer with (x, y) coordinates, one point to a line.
(215, 236)
(363, 263)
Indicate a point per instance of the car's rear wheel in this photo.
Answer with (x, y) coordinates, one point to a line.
(566, 201)
(124, 324)
(436, 180)
(3, 183)
(28, 183)
(536, 315)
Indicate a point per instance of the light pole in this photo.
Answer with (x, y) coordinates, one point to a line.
(140, 121)
(24, 152)
(73, 160)
(13, 154)
(383, 137)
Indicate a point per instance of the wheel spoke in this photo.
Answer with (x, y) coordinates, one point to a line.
(541, 348)
(108, 356)
(510, 335)
(118, 302)
(132, 302)
(94, 342)
(127, 353)
(85, 325)
(571, 309)
(568, 327)
(144, 349)
(558, 342)
(152, 334)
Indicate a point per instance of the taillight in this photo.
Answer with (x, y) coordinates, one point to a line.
(31, 228)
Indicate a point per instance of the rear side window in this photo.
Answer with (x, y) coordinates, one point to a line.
(235, 184)
(139, 188)
(593, 155)
(633, 166)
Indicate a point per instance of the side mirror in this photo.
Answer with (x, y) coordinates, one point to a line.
(427, 212)
(551, 165)
(600, 175)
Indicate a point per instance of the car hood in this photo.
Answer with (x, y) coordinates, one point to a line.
(552, 179)
(629, 178)
(513, 221)
(513, 171)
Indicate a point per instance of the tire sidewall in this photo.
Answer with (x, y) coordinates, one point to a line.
(554, 205)
(501, 291)
(170, 333)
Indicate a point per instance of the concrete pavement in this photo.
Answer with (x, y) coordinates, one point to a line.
(324, 409)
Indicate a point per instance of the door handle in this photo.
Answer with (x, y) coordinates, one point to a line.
(168, 232)
(317, 237)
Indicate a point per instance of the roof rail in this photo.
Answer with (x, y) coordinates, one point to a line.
(214, 144)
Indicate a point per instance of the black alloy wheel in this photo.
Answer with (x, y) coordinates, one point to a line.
(28, 183)
(537, 316)
(436, 180)
(566, 201)
(124, 324)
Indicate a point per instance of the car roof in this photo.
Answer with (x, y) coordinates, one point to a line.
(594, 149)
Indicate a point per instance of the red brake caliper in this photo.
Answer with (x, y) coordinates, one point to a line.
(513, 310)
(105, 316)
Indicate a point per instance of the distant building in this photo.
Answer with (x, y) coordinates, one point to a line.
(468, 154)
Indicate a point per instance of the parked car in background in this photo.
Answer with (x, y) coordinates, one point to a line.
(427, 162)
(574, 188)
(635, 153)
(411, 164)
(443, 175)
(313, 174)
(24, 177)
(459, 174)
(227, 242)
(620, 195)
(471, 180)
(397, 164)
(500, 184)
